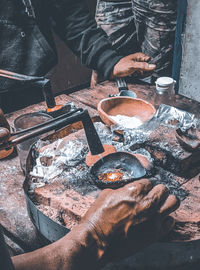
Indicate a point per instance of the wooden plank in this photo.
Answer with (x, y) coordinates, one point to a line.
(91, 97)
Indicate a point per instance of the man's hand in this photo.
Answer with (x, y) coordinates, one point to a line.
(118, 224)
(137, 62)
(125, 220)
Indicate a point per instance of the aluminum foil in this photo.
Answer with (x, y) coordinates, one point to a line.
(52, 161)
(176, 118)
(105, 134)
(166, 116)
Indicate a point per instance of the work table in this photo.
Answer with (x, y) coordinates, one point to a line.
(13, 213)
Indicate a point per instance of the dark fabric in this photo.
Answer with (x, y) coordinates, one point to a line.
(141, 25)
(20, 98)
(74, 24)
(23, 48)
(5, 260)
(27, 45)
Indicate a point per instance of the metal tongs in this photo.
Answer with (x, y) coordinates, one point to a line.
(45, 86)
(59, 122)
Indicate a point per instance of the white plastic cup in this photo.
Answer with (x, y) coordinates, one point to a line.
(165, 85)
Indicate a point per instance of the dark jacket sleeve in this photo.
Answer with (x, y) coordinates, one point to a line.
(76, 27)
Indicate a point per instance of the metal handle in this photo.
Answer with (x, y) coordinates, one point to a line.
(121, 84)
(39, 81)
(92, 136)
(93, 139)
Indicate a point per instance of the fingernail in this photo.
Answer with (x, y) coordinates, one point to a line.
(152, 66)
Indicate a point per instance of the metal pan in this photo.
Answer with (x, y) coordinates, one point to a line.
(47, 227)
(119, 162)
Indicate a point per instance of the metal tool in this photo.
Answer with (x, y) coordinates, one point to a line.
(37, 81)
(93, 139)
(123, 88)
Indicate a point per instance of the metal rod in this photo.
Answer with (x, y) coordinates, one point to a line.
(19, 77)
(160, 55)
(55, 125)
(93, 139)
(45, 123)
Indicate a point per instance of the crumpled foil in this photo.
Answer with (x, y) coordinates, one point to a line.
(166, 116)
(105, 134)
(51, 162)
(177, 118)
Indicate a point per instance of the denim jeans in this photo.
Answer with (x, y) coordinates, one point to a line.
(141, 25)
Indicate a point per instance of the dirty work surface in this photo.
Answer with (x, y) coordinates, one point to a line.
(171, 255)
(65, 184)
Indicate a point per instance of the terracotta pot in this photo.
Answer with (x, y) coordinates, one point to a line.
(125, 106)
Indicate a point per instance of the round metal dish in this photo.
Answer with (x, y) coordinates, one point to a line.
(114, 161)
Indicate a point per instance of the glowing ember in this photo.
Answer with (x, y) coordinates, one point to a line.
(111, 176)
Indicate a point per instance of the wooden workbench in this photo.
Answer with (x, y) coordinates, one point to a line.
(13, 213)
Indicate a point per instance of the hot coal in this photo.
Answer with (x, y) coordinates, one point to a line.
(114, 175)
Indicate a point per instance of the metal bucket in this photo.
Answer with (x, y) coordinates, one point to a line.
(47, 227)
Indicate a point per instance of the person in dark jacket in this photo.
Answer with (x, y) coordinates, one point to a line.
(27, 45)
(146, 26)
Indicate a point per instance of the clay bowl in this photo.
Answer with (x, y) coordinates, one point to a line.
(127, 106)
(124, 162)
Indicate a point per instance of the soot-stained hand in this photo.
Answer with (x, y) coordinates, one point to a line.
(133, 63)
(126, 220)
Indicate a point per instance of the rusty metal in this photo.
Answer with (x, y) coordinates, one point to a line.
(93, 139)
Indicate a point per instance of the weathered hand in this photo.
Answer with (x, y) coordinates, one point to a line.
(132, 63)
(128, 219)
(119, 223)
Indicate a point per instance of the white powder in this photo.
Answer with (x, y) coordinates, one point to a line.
(127, 121)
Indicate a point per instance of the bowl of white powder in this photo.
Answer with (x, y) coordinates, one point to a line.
(125, 112)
